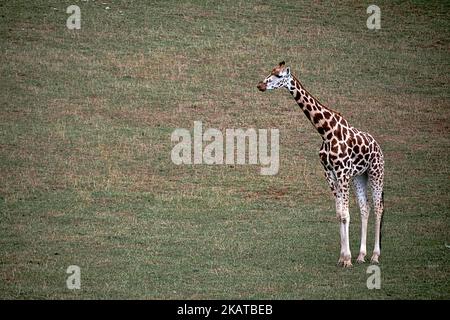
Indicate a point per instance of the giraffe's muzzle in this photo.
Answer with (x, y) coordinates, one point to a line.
(261, 86)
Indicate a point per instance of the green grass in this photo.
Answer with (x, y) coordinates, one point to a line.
(85, 170)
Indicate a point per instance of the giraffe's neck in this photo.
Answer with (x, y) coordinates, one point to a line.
(323, 119)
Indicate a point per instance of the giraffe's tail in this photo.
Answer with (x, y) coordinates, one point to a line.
(382, 216)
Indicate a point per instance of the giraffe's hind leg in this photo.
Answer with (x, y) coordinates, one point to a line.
(360, 183)
(376, 183)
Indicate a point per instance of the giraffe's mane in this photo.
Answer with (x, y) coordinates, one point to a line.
(324, 106)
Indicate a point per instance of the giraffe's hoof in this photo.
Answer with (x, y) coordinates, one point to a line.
(347, 264)
(374, 259)
(361, 258)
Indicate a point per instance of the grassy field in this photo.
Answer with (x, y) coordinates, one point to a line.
(86, 176)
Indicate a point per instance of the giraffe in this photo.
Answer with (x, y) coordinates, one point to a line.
(348, 155)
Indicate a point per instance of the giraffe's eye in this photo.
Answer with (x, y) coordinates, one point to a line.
(277, 75)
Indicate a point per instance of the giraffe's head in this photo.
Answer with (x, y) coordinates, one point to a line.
(279, 77)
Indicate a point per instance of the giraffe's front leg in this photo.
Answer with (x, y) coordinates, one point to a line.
(360, 183)
(329, 175)
(343, 215)
(346, 256)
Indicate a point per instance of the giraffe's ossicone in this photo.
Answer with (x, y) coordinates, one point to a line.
(347, 155)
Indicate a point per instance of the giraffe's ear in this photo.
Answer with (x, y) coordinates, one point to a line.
(281, 64)
(288, 71)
